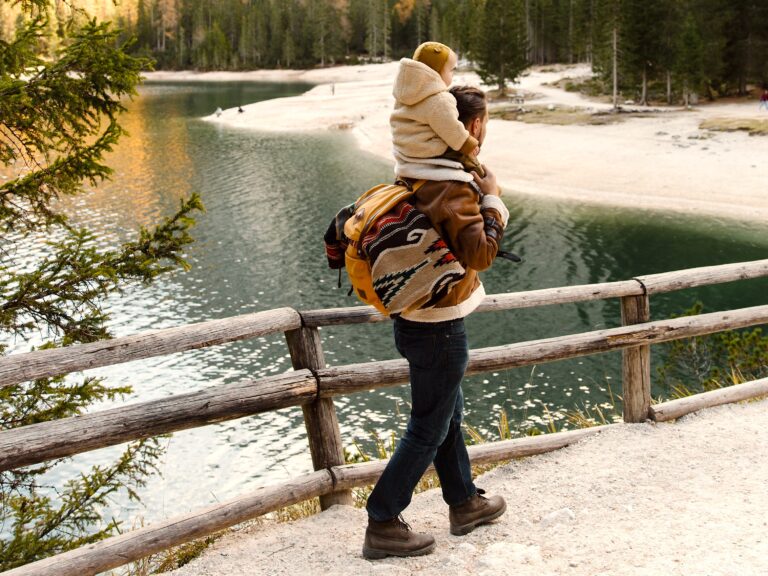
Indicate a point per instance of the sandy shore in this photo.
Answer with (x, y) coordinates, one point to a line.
(680, 499)
(663, 162)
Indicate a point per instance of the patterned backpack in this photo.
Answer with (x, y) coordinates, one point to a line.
(395, 259)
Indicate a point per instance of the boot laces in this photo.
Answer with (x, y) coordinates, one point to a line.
(403, 524)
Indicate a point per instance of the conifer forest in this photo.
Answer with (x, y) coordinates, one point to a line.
(713, 47)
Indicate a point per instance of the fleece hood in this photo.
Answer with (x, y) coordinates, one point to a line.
(415, 82)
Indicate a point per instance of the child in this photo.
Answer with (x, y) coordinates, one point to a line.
(425, 121)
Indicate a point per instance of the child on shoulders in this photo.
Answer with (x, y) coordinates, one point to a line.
(425, 121)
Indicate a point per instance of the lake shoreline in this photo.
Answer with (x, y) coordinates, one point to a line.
(658, 163)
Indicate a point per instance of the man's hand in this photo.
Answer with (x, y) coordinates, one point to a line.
(488, 184)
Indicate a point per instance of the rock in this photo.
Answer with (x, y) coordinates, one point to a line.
(558, 517)
(467, 548)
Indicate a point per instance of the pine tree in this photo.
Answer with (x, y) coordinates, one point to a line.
(670, 30)
(501, 47)
(642, 41)
(144, 32)
(746, 35)
(61, 294)
(689, 65)
(606, 50)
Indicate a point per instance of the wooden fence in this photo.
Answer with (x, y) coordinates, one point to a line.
(312, 385)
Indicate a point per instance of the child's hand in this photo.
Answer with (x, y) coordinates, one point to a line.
(488, 183)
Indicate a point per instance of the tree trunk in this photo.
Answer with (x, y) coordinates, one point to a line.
(385, 30)
(570, 31)
(530, 30)
(669, 87)
(644, 93)
(615, 67)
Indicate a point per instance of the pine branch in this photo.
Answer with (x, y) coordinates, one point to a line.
(66, 290)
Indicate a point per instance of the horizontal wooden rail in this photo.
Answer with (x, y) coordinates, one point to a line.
(564, 295)
(357, 377)
(17, 368)
(58, 438)
(704, 276)
(342, 316)
(652, 283)
(491, 303)
(120, 550)
(354, 475)
(682, 406)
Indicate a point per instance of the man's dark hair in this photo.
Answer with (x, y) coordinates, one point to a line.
(470, 101)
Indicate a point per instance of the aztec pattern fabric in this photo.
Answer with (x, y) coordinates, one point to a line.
(411, 266)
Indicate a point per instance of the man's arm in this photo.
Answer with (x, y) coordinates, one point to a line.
(475, 230)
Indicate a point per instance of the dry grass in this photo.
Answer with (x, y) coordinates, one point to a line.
(170, 559)
(558, 115)
(755, 127)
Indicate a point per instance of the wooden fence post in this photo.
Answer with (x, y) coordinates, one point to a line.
(320, 418)
(636, 362)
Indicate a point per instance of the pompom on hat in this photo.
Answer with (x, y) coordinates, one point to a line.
(433, 54)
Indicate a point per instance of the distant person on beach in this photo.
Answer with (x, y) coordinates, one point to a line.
(764, 100)
(425, 122)
(469, 215)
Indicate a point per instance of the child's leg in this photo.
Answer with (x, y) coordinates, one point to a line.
(470, 162)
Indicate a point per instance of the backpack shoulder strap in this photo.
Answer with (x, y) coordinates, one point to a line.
(411, 187)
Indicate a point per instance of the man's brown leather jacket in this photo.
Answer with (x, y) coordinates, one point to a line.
(472, 230)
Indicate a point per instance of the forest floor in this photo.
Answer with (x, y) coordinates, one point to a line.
(657, 158)
(678, 499)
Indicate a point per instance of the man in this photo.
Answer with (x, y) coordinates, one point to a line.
(467, 212)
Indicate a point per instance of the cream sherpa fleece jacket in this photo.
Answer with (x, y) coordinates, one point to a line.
(425, 121)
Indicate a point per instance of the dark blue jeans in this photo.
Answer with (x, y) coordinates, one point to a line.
(437, 355)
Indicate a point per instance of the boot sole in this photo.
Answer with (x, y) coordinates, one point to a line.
(465, 529)
(377, 554)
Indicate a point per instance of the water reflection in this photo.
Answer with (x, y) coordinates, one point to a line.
(259, 246)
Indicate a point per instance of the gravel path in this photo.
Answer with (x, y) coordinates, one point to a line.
(688, 498)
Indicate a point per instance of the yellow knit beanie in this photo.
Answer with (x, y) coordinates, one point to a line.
(433, 54)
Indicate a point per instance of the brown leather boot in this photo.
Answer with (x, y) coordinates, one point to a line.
(394, 538)
(477, 510)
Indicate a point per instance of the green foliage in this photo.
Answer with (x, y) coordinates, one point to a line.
(58, 118)
(43, 526)
(690, 42)
(713, 361)
(660, 53)
(689, 64)
(501, 47)
(642, 45)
